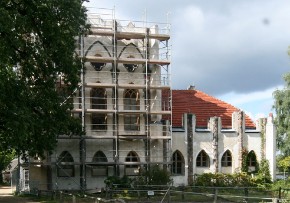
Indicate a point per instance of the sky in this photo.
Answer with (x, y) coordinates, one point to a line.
(234, 50)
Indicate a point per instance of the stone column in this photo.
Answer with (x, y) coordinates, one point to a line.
(190, 148)
(270, 145)
(215, 130)
(239, 125)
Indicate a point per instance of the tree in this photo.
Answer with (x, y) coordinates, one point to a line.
(282, 119)
(284, 163)
(39, 70)
(264, 177)
(5, 160)
(154, 176)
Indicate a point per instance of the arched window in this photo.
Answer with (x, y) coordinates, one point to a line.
(132, 169)
(98, 169)
(202, 159)
(131, 67)
(177, 163)
(99, 101)
(98, 66)
(98, 98)
(65, 165)
(131, 102)
(131, 99)
(251, 159)
(227, 159)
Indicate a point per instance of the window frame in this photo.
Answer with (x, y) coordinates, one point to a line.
(202, 159)
(65, 170)
(131, 103)
(178, 166)
(99, 170)
(227, 160)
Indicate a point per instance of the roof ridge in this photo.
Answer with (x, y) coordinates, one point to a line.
(203, 104)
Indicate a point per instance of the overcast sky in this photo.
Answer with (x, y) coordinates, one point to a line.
(235, 50)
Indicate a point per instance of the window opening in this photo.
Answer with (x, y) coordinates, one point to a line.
(177, 163)
(132, 169)
(202, 159)
(99, 170)
(131, 67)
(97, 65)
(227, 159)
(65, 165)
(251, 159)
(131, 102)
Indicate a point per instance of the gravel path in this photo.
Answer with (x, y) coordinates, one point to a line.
(7, 197)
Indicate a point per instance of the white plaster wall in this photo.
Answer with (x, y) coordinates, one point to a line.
(228, 141)
(68, 183)
(252, 141)
(202, 141)
(38, 177)
(179, 142)
(271, 146)
(92, 146)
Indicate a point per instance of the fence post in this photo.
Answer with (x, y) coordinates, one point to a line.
(280, 194)
(182, 194)
(73, 199)
(169, 196)
(60, 197)
(215, 195)
(246, 194)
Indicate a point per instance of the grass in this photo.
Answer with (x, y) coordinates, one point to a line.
(188, 194)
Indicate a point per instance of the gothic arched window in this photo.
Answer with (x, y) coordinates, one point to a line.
(177, 163)
(227, 159)
(97, 65)
(98, 98)
(202, 159)
(65, 165)
(251, 159)
(99, 101)
(131, 102)
(132, 169)
(130, 66)
(98, 169)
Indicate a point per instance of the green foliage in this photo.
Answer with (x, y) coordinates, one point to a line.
(224, 180)
(37, 48)
(282, 119)
(5, 160)
(245, 160)
(117, 182)
(154, 176)
(263, 177)
(284, 163)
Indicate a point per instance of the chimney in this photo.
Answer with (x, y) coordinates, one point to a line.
(191, 87)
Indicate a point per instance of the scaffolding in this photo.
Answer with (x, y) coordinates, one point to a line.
(123, 100)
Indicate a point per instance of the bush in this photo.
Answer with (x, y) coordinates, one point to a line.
(155, 176)
(224, 180)
(117, 182)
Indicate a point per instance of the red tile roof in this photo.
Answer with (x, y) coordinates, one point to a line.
(204, 107)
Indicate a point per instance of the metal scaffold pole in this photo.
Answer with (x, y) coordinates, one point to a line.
(82, 137)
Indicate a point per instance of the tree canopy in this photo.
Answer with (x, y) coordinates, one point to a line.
(39, 69)
(282, 119)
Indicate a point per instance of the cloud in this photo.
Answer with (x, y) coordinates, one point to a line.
(255, 104)
(220, 46)
(232, 50)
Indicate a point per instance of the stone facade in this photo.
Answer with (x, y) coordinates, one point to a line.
(125, 105)
(216, 142)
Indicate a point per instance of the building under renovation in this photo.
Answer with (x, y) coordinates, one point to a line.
(123, 96)
(133, 120)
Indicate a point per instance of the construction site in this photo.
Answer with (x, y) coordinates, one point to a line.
(124, 102)
(133, 121)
